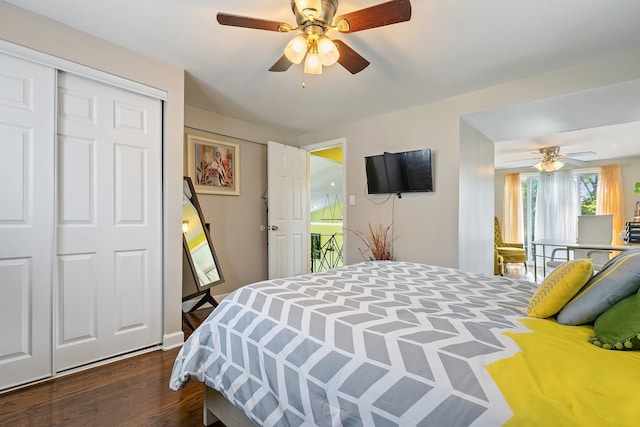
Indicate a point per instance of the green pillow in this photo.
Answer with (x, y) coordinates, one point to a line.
(559, 287)
(619, 327)
(619, 278)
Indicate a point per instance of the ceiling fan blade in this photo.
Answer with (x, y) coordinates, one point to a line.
(281, 64)
(582, 153)
(247, 22)
(527, 159)
(574, 162)
(388, 13)
(349, 58)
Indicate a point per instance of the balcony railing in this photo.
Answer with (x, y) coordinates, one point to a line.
(328, 255)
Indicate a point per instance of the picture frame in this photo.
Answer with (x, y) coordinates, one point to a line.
(637, 213)
(213, 166)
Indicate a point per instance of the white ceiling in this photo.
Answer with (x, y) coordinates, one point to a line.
(602, 123)
(448, 47)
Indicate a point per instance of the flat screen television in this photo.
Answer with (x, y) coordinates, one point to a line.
(404, 172)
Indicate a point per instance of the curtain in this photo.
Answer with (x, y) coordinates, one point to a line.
(556, 207)
(512, 223)
(609, 200)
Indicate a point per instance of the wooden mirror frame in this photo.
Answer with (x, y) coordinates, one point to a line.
(201, 287)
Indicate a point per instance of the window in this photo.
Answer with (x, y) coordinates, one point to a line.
(586, 181)
(529, 183)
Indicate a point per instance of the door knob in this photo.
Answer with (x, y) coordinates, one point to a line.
(273, 227)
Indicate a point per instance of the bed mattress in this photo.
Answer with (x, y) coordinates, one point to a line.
(375, 343)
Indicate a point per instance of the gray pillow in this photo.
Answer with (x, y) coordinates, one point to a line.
(619, 278)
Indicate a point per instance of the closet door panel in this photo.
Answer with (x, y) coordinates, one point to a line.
(16, 146)
(130, 290)
(130, 185)
(77, 311)
(14, 306)
(76, 198)
(26, 207)
(114, 197)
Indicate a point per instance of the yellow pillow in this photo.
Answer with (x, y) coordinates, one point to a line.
(559, 287)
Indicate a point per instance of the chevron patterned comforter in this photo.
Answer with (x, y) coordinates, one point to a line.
(371, 344)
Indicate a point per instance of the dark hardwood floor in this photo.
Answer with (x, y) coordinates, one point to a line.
(128, 392)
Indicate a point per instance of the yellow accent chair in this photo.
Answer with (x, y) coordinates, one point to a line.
(510, 252)
(498, 263)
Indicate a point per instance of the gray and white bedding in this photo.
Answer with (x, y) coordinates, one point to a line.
(371, 344)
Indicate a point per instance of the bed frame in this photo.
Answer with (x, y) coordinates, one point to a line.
(217, 408)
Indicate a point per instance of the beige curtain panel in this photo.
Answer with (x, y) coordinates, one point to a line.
(609, 199)
(512, 223)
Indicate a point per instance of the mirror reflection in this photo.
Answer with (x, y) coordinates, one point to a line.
(197, 242)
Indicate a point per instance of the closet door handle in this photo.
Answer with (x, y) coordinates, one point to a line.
(273, 227)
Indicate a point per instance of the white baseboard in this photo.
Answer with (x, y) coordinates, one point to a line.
(171, 341)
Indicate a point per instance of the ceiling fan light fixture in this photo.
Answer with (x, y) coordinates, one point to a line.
(557, 165)
(328, 51)
(314, 18)
(296, 49)
(312, 64)
(549, 165)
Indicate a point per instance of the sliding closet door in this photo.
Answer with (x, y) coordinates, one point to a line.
(26, 230)
(109, 211)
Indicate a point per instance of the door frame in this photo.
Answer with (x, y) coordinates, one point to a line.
(322, 146)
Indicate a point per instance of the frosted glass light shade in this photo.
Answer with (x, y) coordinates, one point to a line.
(296, 49)
(312, 64)
(557, 164)
(328, 51)
(549, 165)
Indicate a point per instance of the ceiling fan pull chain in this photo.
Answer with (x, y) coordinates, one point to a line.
(304, 85)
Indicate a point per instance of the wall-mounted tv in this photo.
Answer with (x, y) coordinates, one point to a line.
(404, 172)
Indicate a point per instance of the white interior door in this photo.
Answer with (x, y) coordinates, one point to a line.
(109, 235)
(27, 117)
(288, 212)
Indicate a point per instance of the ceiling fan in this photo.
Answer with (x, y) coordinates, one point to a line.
(315, 18)
(552, 160)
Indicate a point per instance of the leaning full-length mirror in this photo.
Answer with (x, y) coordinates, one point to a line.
(198, 248)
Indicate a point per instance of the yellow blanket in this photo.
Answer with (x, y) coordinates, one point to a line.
(560, 379)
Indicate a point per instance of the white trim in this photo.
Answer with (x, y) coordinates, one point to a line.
(586, 171)
(327, 144)
(171, 341)
(82, 70)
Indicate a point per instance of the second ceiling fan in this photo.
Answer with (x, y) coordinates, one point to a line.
(315, 18)
(552, 160)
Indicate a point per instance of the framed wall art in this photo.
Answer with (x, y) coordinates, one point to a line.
(213, 166)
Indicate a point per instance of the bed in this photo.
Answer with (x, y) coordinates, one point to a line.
(400, 344)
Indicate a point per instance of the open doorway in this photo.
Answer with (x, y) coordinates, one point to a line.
(326, 218)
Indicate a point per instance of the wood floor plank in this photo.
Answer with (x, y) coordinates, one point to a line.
(128, 392)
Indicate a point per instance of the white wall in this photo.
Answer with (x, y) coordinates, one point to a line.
(32, 31)
(476, 200)
(428, 225)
